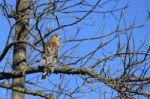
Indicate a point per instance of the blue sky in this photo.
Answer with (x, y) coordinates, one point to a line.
(95, 28)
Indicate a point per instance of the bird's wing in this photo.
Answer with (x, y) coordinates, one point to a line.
(51, 48)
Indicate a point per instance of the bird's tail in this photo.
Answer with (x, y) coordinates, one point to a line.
(44, 75)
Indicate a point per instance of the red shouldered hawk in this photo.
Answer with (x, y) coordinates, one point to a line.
(49, 58)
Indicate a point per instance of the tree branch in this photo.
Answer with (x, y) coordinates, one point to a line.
(114, 83)
(27, 91)
(16, 42)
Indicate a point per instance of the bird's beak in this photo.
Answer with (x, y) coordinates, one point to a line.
(59, 38)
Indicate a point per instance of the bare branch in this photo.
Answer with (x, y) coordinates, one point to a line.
(27, 91)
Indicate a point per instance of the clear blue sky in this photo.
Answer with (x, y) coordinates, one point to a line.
(137, 7)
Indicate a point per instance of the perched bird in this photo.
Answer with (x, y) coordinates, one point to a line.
(50, 55)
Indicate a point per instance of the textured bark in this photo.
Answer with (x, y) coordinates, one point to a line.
(19, 57)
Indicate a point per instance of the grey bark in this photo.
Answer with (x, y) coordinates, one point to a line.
(19, 52)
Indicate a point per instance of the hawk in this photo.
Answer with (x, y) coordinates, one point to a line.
(50, 55)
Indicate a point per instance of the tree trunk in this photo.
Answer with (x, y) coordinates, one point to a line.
(19, 54)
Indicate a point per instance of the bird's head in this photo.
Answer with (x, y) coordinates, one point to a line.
(55, 38)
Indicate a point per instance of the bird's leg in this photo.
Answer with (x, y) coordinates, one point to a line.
(45, 72)
(50, 69)
(52, 65)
